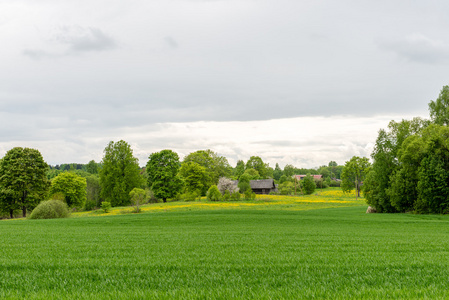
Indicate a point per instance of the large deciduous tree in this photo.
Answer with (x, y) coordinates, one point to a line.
(23, 179)
(162, 169)
(119, 174)
(256, 163)
(216, 166)
(72, 186)
(195, 177)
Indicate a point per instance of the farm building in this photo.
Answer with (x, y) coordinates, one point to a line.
(301, 177)
(262, 186)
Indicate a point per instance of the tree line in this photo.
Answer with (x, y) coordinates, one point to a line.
(26, 179)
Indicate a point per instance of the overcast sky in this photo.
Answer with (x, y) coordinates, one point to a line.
(294, 82)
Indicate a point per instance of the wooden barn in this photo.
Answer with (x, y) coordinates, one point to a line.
(263, 186)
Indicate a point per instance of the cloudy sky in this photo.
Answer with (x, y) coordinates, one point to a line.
(294, 82)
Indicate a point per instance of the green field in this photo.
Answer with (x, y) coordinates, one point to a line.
(261, 251)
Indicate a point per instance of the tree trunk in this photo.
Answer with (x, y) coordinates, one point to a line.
(24, 211)
(164, 199)
(11, 213)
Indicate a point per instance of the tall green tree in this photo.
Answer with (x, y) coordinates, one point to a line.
(72, 186)
(386, 163)
(277, 173)
(195, 177)
(216, 166)
(239, 169)
(354, 173)
(120, 173)
(23, 179)
(92, 167)
(256, 163)
(162, 169)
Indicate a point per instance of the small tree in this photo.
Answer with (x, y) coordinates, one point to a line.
(308, 184)
(213, 194)
(138, 197)
(354, 173)
(226, 184)
(244, 183)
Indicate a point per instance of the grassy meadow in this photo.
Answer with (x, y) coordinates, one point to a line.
(275, 247)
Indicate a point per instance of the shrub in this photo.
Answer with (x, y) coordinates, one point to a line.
(50, 209)
(191, 196)
(308, 185)
(249, 194)
(227, 195)
(106, 206)
(213, 194)
(235, 196)
(138, 197)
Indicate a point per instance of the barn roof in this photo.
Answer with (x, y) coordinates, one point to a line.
(262, 184)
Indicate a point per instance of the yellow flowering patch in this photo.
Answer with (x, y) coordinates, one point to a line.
(321, 199)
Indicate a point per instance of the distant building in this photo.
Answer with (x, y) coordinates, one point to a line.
(262, 186)
(301, 177)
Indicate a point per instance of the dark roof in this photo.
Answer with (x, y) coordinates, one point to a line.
(262, 184)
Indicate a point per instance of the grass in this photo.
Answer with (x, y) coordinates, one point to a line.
(264, 251)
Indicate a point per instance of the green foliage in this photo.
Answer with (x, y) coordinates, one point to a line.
(93, 190)
(213, 194)
(256, 163)
(72, 186)
(191, 196)
(138, 197)
(106, 206)
(277, 172)
(235, 196)
(284, 179)
(243, 184)
(308, 185)
(162, 169)
(289, 171)
(253, 174)
(119, 174)
(286, 188)
(249, 194)
(23, 180)
(216, 166)
(439, 109)
(92, 167)
(195, 177)
(354, 173)
(50, 209)
(386, 156)
(226, 195)
(239, 169)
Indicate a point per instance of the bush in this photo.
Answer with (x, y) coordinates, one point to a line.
(227, 195)
(50, 209)
(191, 196)
(213, 194)
(308, 185)
(250, 195)
(235, 196)
(106, 206)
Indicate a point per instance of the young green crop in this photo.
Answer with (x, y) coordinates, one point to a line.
(262, 253)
